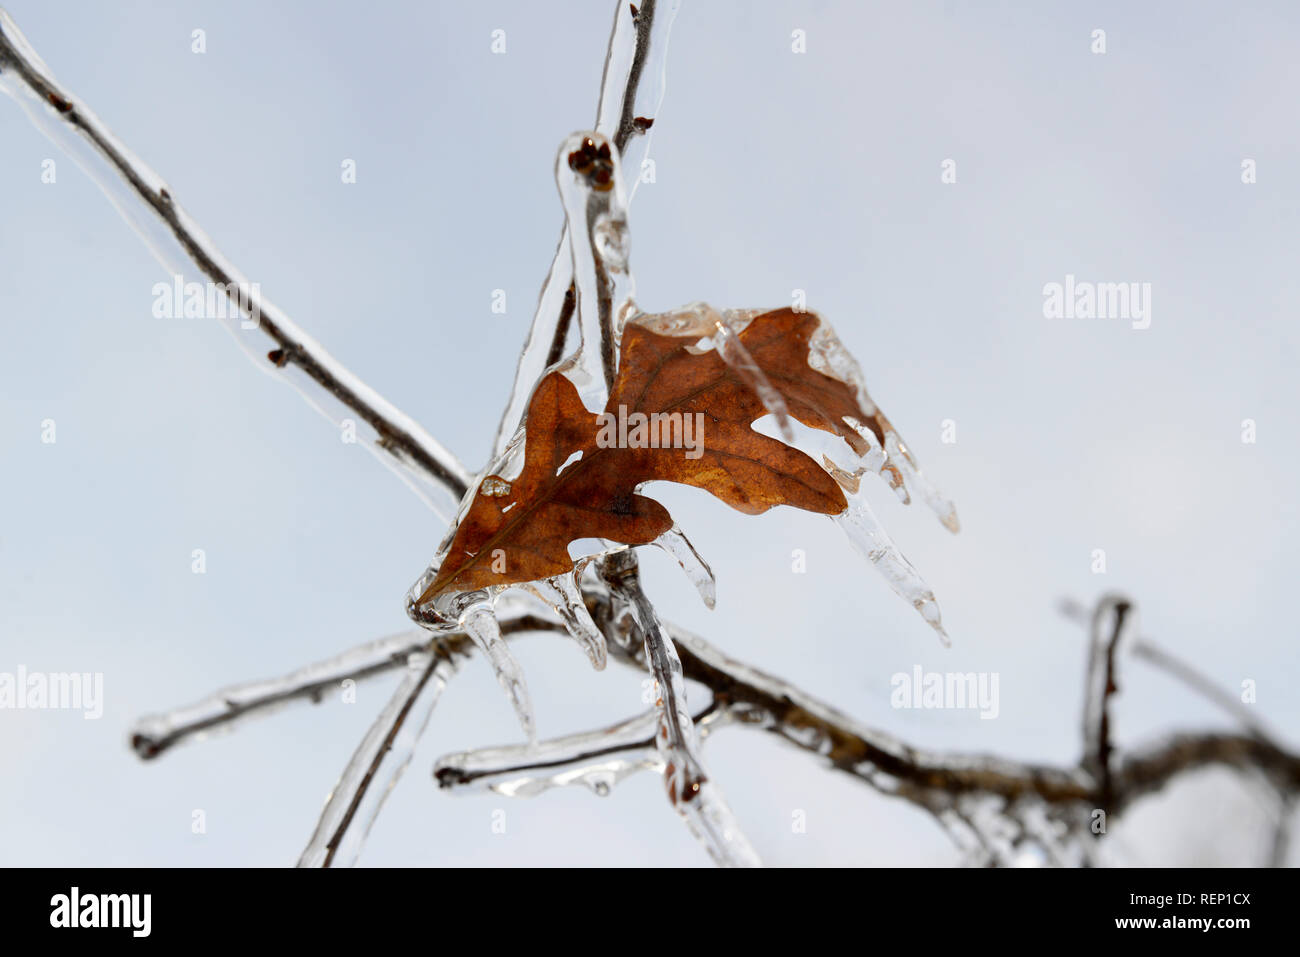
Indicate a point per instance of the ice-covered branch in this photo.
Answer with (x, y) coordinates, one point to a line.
(1143, 648)
(226, 708)
(1147, 770)
(761, 701)
(177, 241)
(631, 92)
(926, 777)
(690, 791)
(385, 752)
(1110, 631)
(597, 760)
(960, 790)
(977, 797)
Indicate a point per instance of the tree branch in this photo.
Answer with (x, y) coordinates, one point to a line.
(638, 40)
(1112, 621)
(940, 783)
(155, 734)
(134, 188)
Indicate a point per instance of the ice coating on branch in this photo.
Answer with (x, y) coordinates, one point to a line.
(627, 69)
(480, 623)
(676, 544)
(225, 709)
(590, 180)
(697, 799)
(992, 831)
(384, 753)
(189, 255)
(598, 760)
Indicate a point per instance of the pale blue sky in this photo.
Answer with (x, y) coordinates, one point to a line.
(775, 171)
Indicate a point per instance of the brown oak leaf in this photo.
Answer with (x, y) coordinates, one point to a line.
(519, 530)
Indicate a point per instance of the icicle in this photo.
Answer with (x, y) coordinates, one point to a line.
(734, 354)
(898, 453)
(828, 355)
(676, 544)
(877, 459)
(871, 541)
(479, 622)
(562, 594)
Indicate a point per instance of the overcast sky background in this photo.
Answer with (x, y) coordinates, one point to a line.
(775, 171)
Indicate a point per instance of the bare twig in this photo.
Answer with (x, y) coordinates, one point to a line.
(629, 124)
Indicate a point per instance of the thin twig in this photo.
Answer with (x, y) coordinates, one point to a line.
(1147, 650)
(562, 324)
(628, 126)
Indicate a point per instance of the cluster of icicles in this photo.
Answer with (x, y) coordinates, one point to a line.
(597, 235)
